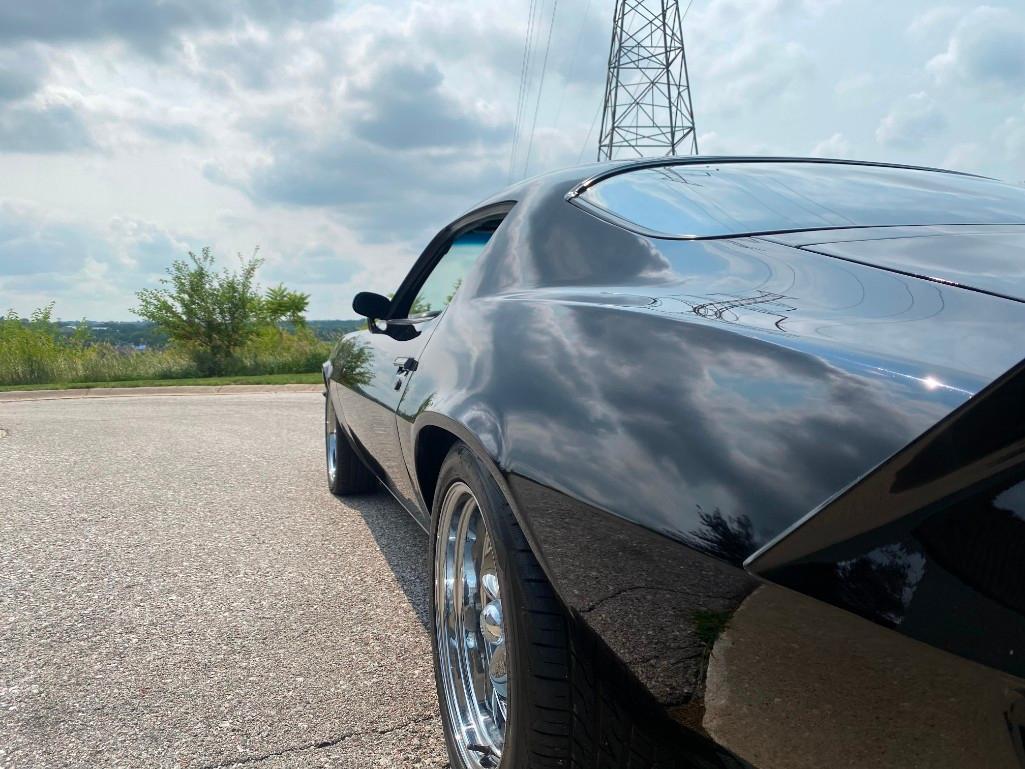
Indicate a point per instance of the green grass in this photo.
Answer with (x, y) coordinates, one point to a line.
(34, 353)
(709, 625)
(270, 379)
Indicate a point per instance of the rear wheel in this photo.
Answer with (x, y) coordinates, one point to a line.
(486, 620)
(520, 684)
(471, 633)
(346, 473)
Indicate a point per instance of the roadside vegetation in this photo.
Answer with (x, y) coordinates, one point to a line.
(313, 377)
(141, 334)
(216, 323)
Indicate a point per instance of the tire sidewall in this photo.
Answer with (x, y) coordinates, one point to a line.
(330, 423)
(462, 465)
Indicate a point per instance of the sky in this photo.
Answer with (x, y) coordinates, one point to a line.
(338, 137)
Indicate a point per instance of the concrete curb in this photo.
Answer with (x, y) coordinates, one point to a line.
(139, 392)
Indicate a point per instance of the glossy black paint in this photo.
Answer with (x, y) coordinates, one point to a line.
(934, 536)
(371, 305)
(369, 409)
(996, 266)
(657, 410)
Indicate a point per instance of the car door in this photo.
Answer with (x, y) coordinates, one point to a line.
(391, 348)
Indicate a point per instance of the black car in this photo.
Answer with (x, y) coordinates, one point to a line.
(722, 461)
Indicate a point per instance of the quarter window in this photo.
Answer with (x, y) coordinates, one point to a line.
(447, 276)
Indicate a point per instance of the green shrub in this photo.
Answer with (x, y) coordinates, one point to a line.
(272, 350)
(28, 348)
(223, 321)
(32, 352)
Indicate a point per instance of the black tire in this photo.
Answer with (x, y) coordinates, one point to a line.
(571, 703)
(350, 475)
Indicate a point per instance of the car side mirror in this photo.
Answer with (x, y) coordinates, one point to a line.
(371, 305)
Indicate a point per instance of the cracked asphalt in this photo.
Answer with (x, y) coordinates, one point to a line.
(179, 589)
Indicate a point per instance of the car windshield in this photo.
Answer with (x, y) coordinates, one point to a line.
(728, 199)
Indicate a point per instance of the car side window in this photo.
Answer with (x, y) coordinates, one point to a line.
(446, 277)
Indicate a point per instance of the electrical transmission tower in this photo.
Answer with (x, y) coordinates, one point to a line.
(647, 108)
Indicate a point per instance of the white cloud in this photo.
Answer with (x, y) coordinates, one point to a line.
(836, 146)
(43, 128)
(402, 103)
(745, 50)
(986, 48)
(22, 70)
(1010, 140)
(938, 19)
(83, 266)
(966, 156)
(148, 27)
(855, 83)
(913, 121)
(340, 136)
(762, 69)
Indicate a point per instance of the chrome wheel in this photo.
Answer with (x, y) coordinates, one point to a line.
(472, 643)
(331, 444)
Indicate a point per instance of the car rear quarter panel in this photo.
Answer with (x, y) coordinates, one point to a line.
(660, 409)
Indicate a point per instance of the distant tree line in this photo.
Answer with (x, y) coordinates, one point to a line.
(143, 333)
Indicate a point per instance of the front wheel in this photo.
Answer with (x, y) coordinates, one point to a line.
(346, 473)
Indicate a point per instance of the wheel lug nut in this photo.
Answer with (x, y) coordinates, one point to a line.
(490, 582)
(491, 622)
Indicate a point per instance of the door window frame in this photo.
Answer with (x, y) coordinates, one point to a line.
(428, 260)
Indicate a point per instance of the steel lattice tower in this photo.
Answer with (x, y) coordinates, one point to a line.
(648, 108)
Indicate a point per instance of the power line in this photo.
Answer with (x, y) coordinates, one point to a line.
(541, 86)
(574, 60)
(587, 139)
(520, 95)
(522, 98)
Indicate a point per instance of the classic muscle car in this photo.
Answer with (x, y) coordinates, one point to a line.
(722, 462)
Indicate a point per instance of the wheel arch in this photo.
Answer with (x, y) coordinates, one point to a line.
(433, 436)
(433, 443)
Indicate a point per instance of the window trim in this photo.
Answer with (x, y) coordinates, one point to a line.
(704, 160)
(398, 313)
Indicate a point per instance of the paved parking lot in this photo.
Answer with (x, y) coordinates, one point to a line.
(179, 589)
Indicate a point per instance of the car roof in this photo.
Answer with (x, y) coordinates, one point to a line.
(578, 177)
(958, 228)
(698, 198)
(605, 169)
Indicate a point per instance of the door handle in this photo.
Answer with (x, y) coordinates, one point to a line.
(405, 364)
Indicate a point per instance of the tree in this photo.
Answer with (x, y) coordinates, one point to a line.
(82, 336)
(209, 313)
(42, 319)
(280, 304)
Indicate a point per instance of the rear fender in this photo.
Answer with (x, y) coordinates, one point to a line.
(486, 446)
(931, 542)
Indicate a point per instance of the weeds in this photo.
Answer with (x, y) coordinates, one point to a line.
(32, 352)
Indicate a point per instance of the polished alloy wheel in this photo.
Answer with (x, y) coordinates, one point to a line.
(472, 644)
(331, 445)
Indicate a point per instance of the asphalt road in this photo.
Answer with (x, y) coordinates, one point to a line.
(179, 589)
